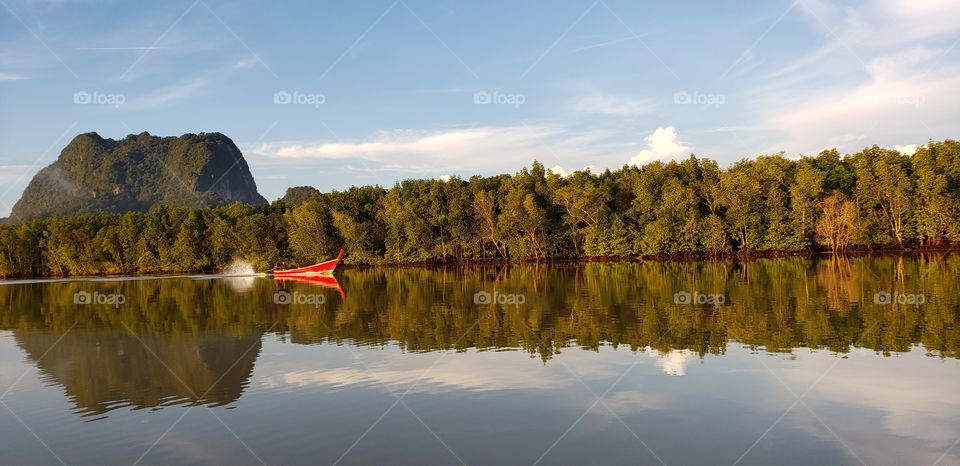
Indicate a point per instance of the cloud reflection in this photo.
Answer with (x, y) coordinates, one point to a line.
(485, 371)
(674, 362)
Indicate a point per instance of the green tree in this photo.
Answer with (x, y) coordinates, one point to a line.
(805, 193)
(937, 168)
(742, 200)
(310, 231)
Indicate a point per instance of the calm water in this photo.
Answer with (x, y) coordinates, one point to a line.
(786, 361)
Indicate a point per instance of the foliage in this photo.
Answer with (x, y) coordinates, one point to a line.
(872, 199)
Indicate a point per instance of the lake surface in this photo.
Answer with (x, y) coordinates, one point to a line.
(785, 361)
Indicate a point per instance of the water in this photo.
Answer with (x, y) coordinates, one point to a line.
(195, 370)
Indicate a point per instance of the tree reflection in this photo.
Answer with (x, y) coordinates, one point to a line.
(200, 328)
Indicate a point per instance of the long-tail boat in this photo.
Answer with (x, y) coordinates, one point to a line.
(323, 268)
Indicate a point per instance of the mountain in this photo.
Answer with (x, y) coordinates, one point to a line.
(94, 174)
(299, 194)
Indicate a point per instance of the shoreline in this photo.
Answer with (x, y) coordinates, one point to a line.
(740, 256)
(678, 257)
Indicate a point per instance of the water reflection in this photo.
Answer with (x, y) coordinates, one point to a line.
(106, 369)
(207, 333)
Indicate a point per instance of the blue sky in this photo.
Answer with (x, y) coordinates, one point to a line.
(333, 94)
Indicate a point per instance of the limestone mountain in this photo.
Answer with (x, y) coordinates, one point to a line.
(94, 174)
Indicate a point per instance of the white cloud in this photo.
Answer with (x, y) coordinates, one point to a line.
(171, 94)
(455, 151)
(385, 145)
(882, 24)
(882, 74)
(901, 64)
(245, 64)
(10, 77)
(664, 143)
(892, 104)
(599, 103)
(906, 149)
(565, 172)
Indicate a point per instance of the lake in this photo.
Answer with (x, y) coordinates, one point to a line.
(779, 361)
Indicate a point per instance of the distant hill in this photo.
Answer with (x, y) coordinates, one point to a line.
(299, 194)
(94, 174)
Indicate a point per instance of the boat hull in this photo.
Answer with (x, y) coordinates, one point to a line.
(323, 268)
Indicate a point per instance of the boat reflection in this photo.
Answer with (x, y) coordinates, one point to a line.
(326, 281)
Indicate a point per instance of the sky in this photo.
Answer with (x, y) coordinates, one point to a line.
(335, 94)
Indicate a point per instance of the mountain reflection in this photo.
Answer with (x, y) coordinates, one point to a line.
(207, 332)
(103, 370)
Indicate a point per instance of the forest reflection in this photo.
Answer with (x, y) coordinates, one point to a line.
(207, 332)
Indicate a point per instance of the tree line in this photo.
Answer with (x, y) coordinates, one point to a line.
(875, 198)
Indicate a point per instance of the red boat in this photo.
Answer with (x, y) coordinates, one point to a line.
(310, 270)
